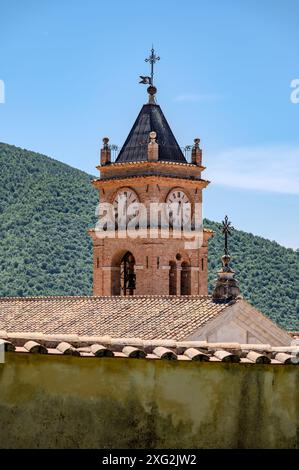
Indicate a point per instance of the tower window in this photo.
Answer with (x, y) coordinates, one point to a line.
(158, 262)
(185, 279)
(172, 278)
(98, 262)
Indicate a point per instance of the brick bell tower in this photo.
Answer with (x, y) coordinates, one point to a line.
(150, 168)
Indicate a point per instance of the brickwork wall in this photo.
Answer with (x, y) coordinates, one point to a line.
(152, 255)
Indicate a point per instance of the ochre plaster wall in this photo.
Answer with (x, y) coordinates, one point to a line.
(72, 402)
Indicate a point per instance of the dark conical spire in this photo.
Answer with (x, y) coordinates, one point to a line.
(135, 148)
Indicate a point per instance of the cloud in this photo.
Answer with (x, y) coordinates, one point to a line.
(195, 98)
(265, 168)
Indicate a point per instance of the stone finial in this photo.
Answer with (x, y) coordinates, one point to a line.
(105, 152)
(152, 148)
(196, 143)
(153, 136)
(152, 90)
(226, 288)
(105, 142)
(196, 153)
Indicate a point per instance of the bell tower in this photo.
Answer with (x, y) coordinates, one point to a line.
(152, 180)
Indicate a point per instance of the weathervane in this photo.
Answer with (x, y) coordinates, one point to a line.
(226, 228)
(152, 59)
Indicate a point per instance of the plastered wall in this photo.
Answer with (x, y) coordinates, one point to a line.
(72, 402)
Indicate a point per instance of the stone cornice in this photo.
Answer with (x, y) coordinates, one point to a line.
(145, 164)
(101, 181)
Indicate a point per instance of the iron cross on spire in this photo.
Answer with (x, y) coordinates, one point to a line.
(152, 59)
(226, 228)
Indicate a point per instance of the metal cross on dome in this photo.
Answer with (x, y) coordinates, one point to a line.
(152, 59)
(226, 228)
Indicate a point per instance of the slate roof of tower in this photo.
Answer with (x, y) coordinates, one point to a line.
(150, 118)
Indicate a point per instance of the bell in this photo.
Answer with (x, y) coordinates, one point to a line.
(131, 281)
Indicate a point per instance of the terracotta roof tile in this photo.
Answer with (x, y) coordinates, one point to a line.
(105, 346)
(145, 317)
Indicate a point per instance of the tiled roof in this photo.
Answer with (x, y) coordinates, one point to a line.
(145, 317)
(150, 118)
(295, 334)
(105, 346)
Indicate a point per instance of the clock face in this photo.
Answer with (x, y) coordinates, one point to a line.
(126, 200)
(179, 207)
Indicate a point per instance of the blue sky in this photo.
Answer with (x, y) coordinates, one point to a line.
(71, 69)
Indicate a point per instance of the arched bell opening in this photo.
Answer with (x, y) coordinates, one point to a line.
(172, 278)
(123, 277)
(186, 279)
(127, 274)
